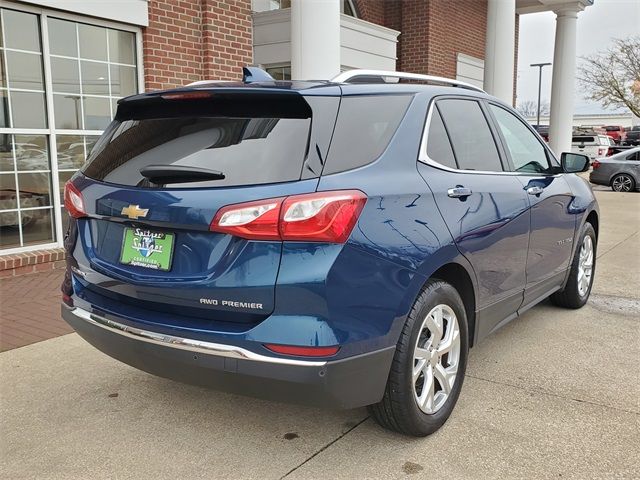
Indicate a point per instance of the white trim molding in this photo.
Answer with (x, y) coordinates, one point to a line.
(133, 12)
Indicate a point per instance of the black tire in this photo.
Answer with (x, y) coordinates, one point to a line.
(623, 183)
(398, 410)
(570, 296)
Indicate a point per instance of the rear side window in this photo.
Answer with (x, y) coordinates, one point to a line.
(363, 129)
(472, 140)
(246, 151)
(438, 144)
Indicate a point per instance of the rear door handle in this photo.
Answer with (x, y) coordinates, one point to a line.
(535, 190)
(459, 192)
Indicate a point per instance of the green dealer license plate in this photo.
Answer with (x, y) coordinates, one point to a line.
(147, 248)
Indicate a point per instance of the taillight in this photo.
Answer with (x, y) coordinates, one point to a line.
(255, 220)
(314, 217)
(595, 165)
(303, 351)
(602, 151)
(73, 201)
(321, 216)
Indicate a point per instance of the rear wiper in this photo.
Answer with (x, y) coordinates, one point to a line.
(163, 174)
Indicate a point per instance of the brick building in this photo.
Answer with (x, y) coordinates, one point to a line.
(64, 64)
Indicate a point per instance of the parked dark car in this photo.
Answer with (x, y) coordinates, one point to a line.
(633, 136)
(620, 171)
(338, 243)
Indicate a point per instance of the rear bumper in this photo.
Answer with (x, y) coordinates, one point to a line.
(348, 383)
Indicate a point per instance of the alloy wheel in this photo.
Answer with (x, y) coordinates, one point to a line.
(436, 358)
(622, 183)
(585, 266)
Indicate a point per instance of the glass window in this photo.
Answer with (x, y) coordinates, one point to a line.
(67, 113)
(6, 153)
(8, 191)
(97, 113)
(25, 192)
(91, 68)
(123, 80)
(3, 80)
(122, 47)
(28, 110)
(368, 122)
(21, 30)
(71, 153)
(65, 75)
(527, 153)
(280, 73)
(4, 110)
(95, 78)
(438, 144)
(63, 38)
(37, 226)
(25, 70)
(473, 143)
(93, 42)
(32, 152)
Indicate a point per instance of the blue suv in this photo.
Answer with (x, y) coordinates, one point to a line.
(337, 243)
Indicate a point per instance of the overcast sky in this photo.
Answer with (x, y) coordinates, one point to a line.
(598, 25)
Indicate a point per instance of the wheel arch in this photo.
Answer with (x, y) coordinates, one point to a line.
(593, 219)
(458, 276)
(624, 172)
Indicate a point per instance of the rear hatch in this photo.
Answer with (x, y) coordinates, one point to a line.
(155, 180)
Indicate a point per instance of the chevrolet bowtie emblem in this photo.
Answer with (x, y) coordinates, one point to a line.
(134, 212)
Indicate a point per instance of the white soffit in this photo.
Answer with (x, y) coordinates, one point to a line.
(133, 12)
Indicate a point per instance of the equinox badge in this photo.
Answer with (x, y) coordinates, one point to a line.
(134, 212)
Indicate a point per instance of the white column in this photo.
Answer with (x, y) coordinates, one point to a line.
(500, 49)
(563, 79)
(315, 39)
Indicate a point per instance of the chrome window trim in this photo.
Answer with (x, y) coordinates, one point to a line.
(423, 157)
(191, 345)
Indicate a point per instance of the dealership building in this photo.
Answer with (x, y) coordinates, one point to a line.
(65, 63)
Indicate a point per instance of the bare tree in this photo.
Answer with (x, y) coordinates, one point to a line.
(529, 108)
(612, 76)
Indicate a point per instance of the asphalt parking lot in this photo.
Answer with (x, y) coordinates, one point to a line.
(554, 394)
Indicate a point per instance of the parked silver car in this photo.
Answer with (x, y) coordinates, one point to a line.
(620, 171)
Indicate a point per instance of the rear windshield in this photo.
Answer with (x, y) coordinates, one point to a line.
(612, 129)
(583, 139)
(245, 150)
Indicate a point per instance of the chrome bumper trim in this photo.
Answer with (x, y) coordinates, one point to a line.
(199, 346)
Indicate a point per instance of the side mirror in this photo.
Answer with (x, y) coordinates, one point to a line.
(574, 162)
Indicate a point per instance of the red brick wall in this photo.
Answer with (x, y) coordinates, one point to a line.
(433, 32)
(372, 10)
(190, 40)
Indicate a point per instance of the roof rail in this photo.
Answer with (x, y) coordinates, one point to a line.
(381, 75)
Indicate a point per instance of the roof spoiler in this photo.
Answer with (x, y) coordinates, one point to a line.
(249, 75)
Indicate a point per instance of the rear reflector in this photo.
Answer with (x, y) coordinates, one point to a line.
(67, 300)
(303, 351)
(315, 217)
(73, 201)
